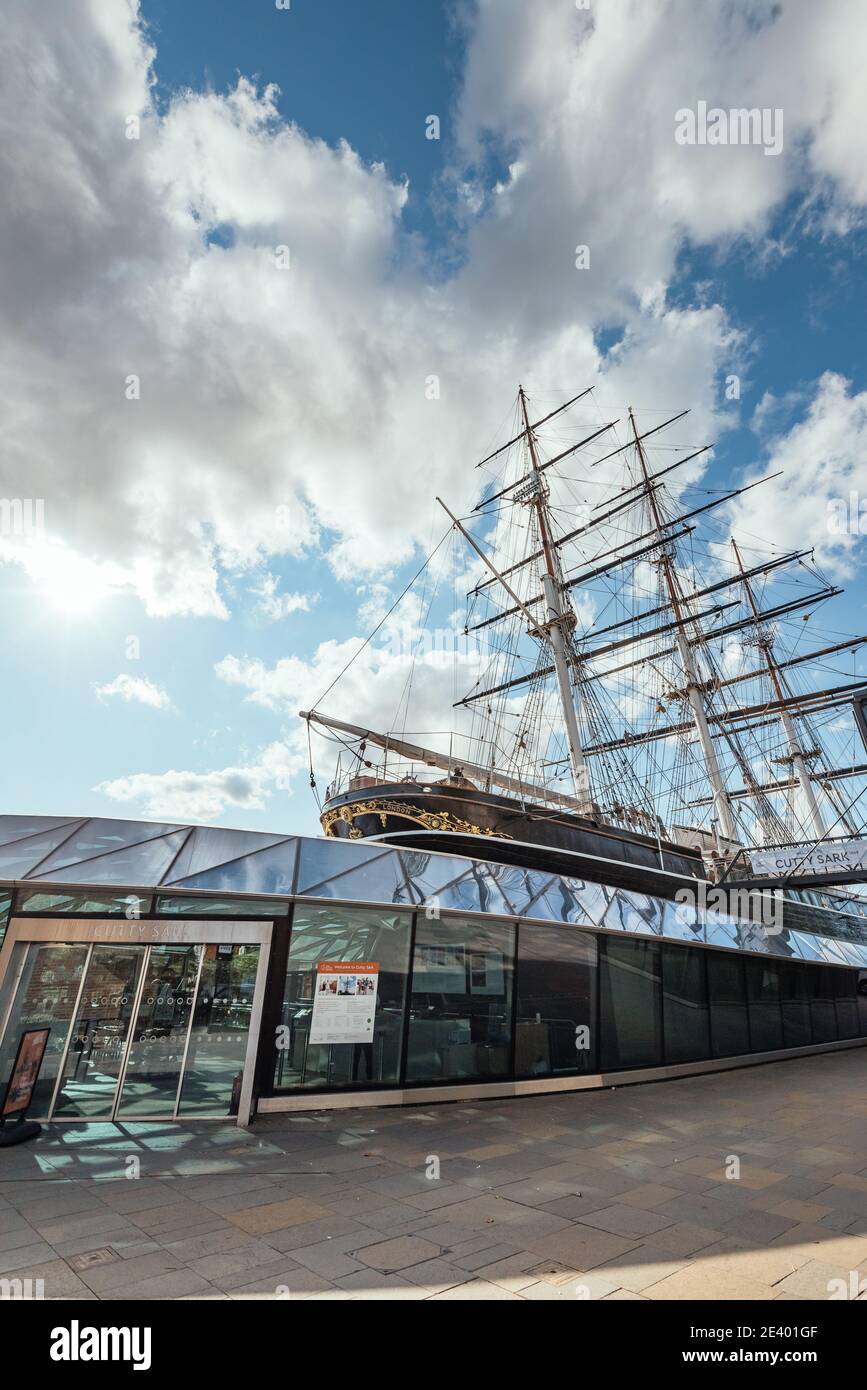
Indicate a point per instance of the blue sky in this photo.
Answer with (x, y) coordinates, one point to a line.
(770, 281)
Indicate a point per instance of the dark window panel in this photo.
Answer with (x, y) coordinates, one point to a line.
(556, 987)
(686, 1020)
(460, 1023)
(631, 1022)
(822, 1009)
(846, 1003)
(763, 995)
(795, 1004)
(728, 1004)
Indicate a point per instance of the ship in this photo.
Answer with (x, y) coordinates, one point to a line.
(657, 703)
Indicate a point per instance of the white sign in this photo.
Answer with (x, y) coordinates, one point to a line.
(344, 1001)
(848, 856)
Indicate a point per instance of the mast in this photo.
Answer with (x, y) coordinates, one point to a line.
(796, 753)
(559, 622)
(694, 688)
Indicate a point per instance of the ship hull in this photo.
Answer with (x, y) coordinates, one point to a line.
(460, 820)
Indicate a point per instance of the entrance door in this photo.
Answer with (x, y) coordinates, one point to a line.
(139, 1030)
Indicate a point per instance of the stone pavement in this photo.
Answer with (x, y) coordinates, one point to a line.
(617, 1194)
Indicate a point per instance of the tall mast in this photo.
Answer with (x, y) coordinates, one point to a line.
(559, 621)
(796, 753)
(694, 687)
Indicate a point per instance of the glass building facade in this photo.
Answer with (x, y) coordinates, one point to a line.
(186, 971)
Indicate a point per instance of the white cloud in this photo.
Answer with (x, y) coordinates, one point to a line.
(818, 501)
(270, 398)
(202, 796)
(135, 690)
(276, 605)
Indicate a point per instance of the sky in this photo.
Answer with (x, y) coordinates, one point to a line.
(233, 260)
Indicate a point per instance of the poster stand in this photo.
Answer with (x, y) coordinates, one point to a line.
(15, 1128)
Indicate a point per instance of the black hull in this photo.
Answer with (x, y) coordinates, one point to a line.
(461, 820)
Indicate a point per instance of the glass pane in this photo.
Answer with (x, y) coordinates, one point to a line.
(685, 1017)
(461, 1010)
(209, 847)
(341, 869)
(45, 998)
(321, 934)
(96, 837)
(5, 904)
(795, 1004)
(822, 1003)
(144, 863)
(19, 827)
(100, 1030)
(763, 995)
(223, 907)
(862, 1004)
(157, 1047)
(130, 905)
(555, 1028)
(17, 858)
(221, 1022)
(630, 1002)
(846, 1003)
(729, 1030)
(267, 871)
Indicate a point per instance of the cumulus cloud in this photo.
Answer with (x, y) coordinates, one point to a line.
(217, 339)
(273, 385)
(821, 498)
(273, 604)
(202, 796)
(135, 690)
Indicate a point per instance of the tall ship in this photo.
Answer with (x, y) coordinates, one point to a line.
(657, 699)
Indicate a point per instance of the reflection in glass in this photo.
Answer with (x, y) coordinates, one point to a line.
(99, 1034)
(555, 1028)
(156, 1051)
(862, 1003)
(221, 1021)
(461, 1008)
(795, 1005)
(729, 1028)
(338, 934)
(686, 1022)
(631, 1017)
(763, 995)
(45, 998)
(130, 905)
(180, 905)
(822, 1003)
(846, 1003)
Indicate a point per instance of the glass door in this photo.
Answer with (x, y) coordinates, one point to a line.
(218, 1037)
(45, 997)
(98, 1039)
(138, 1031)
(158, 1047)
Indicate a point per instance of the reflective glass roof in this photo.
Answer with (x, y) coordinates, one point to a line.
(145, 855)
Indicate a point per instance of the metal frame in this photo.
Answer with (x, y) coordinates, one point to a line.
(24, 931)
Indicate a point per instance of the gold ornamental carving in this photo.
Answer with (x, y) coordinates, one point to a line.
(430, 820)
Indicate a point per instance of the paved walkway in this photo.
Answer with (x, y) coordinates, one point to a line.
(619, 1194)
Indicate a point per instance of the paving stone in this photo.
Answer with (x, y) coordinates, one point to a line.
(627, 1221)
(398, 1253)
(475, 1289)
(276, 1216)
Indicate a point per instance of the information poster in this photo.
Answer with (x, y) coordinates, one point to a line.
(344, 1001)
(440, 969)
(19, 1092)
